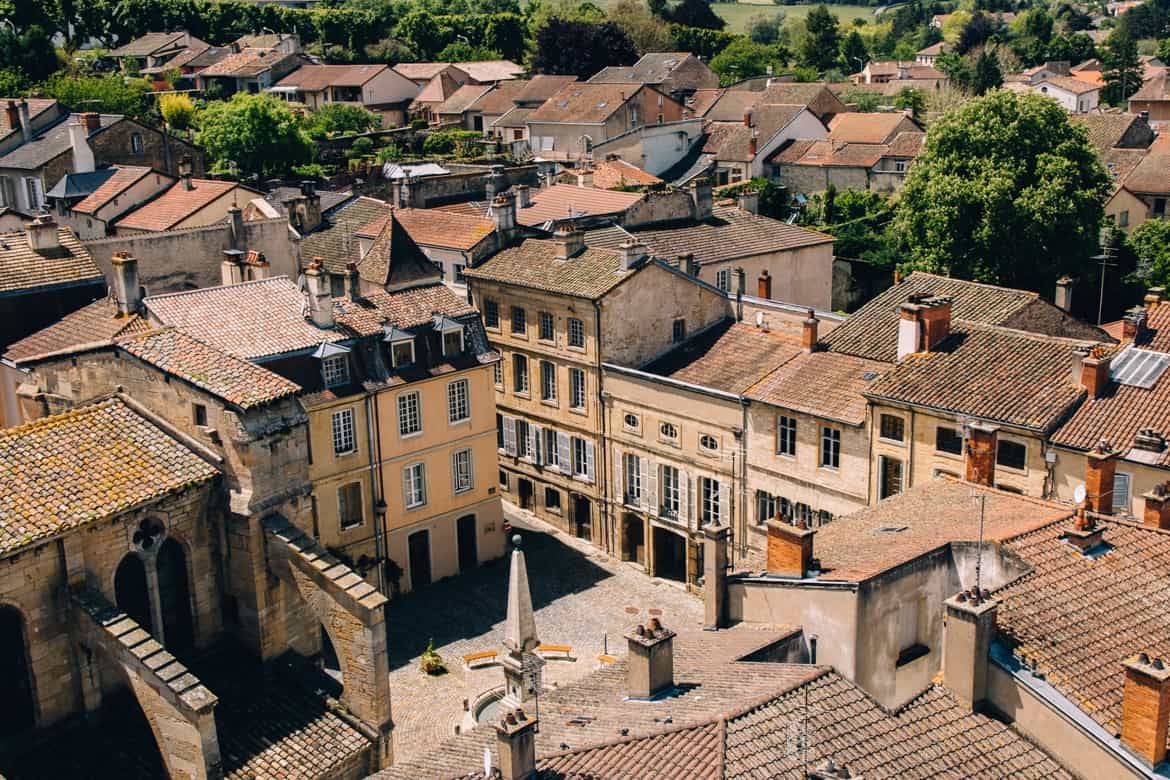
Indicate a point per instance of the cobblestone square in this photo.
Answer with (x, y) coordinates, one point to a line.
(582, 597)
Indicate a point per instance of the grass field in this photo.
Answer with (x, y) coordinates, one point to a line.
(737, 14)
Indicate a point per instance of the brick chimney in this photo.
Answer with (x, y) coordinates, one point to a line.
(982, 441)
(1095, 373)
(747, 118)
(748, 199)
(1084, 533)
(790, 549)
(504, 214)
(715, 541)
(127, 290)
(967, 635)
(808, 332)
(320, 294)
(307, 207)
(764, 285)
(353, 282)
(92, 120)
(1145, 708)
(231, 270)
(651, 660)
(256, 266)
(25, 120)
(923, 322)
(569, 242)
(1133, 326)
(41, 233)
(516, 745)
(1100, 469)
(753, 143)
(630, 254)
(1157, 507)
(1064, 292)
(12, 114)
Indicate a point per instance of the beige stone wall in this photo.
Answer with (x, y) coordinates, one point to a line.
(802, 276)
(1069, 472)
(1125, 202)
(443, 539)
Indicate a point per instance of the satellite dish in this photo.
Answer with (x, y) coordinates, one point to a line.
(1079, 494)
(759, 319)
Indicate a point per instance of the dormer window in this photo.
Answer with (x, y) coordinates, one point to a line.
(401, 346)
(334, 364)
(452, 333)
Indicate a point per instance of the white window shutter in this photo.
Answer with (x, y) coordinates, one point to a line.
(565, 453)
(643, 465)
(538, 448)
(532, 442)
(724, 502)
(406, 485)
(590, 463)
(684, 498)
(619, 485)
(510, 435)
(650, 485)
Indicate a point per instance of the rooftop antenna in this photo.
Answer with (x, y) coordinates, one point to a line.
(979, 497)
(1104, 260)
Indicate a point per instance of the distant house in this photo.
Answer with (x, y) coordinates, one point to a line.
(249, 70)
(456, 108)
(288, 43)
(153, 52)
(434, 94)
(678, 74)
(909, 73)
(930, 54)
(378, 88)
(1153, 99)
(731, 104)
(189, 202)
(512, 125)
(739, 149)
(1075, 95)
(1121, 141)
(486, 104)
(421, 73)
(90, 203)
(484, 72)
(1150, 180)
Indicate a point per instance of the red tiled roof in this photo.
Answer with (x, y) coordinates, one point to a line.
(500, 98)
(437, 89)
(436, 228)
(729, 357)
(314, 78)
(124, 176)
(585, 103)
(610, 174)
(1152, 174)
(461, 99)
(22, 268)
(485, 71)
(703, 100)
(866, 128)
(422, 71)
(565, 201)
(542, 87)
(36, 106)
(404, 309)
(394, 259)
(177, 204)
(247, 62)
(823, 384)
(590, 274)
(92, 326)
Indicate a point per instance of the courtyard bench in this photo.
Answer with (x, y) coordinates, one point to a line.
(605, 660)
(562, 651)
(471, 660)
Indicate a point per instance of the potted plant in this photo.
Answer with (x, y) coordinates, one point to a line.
(432, 663)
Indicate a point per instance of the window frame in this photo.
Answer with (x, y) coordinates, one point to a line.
(576, 327)
(548, 381)
(409, 492)
(457, 486)
(1011, 444)
(678, 331)
(403, 405)
(545, 318)
(670, 491)
(460, 387)
(786, 427)
(709, 509)
(830, 438)
(519, 321)
(631, 478)
(343, 428)
(491, 314)
(462, 342)
(723, 279)
(580, 464)
(520, 379)
(951, 433)
(901, 428)
(335, 370)
(577, 393)
(394, 346)
(704, 438)
(343, 504)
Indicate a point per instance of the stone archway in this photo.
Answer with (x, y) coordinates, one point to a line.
(16, 689)
(132, 591)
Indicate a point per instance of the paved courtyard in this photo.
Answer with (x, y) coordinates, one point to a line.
(581, 597)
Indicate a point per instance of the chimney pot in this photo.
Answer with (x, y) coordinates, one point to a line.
(232, 267)
(83, 160)
(982, 443)
(12, 114)
(1156, 512)
(320, 294)
(41, 233)
(25, 120)
(970, 627)
(1063, 297)
(702, 198)
(516, 744)
(1145, 708)
(1095, 374)
(790, 550)
(569, 242)
(1154, 296)
(630, 254)
(127, 291)
(650, 669)
(808, 334)
(1134, 324)
(353, 282)
(92, 120)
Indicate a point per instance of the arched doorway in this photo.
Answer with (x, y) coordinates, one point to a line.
(175, 596)
(17, 713)
(131, 592)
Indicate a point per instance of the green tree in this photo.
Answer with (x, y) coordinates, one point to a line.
(822, 43)
(853, 52)
(648, 31)
(29, 53)
(697, 13)
(339, 119)
(1151, 243)
(857, 219)
(744, 60)
(462, 51)
(422, 31)
(1007, 191)
(581, 49)
(1122, 69)
(765, 28)
(177, 111)
(109, 94)
(986, 74)
(256, 132)
(1163, 52)
(913, 99)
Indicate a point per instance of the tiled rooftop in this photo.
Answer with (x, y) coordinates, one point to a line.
(1152, 174)
(334, 241)
(585, 103)
(177, 204)
(609, 174)
(872, 128)
(589, 274)
(84, 465)
(315, 78)
(232, 379)
(23, 269)
(123, 177)
(729, 357)
(252, 320)
(404, 309)
(499, 98)
(461, 99)
(395, 260)
(440, 229)
(95, 325)
(824, 384)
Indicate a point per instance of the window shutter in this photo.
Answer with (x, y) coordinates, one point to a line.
(510, 435)
(650, 486)
(454, 471)
(532, 442)
(620, 485)
(684, 498)
(644, 498)
(590, 465)
(565, 453)
(537, 445)
(406, 492)
(724, 502)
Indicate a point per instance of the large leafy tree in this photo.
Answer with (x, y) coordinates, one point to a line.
(1150, 241)
(697, 13)
(256, 132)
(1007, 191)
(820, 46)
(581, 48)
(1122, 71)
(744, 59)
(109, 94)
(853, 52)
(986, 75)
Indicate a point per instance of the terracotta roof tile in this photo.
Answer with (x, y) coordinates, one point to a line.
(729, 357)
(1070, 84)
(438, 89)
(247, 62)
(871, 128)
(404, 308)
(22, 268)
(1156, 88)
(610, 174)
(394, 259)
(251, 320)
(1152, 174)
(1105, 130)
(703, 100)
(85, 465)
(690, 752)
(589, 274)
(36, 107)
(314, 78)
(563, 202)
(333, 241)
(178, 203)
(485, 71)
(439, 229)
(149, 43)
(585, 103)
(421, 71)
(542, 87)
(732, 104)
(823, 384)
(461, 99)
(232, 379)
(124, 176)
(500, 98)
(95, 325)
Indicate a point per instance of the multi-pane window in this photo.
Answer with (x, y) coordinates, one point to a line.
(414, 485)
(453, 342)
(632, 472)
(830, 447)
(577, 388)
(709, 443)
(335, 370)
(402, 353)
(349, 505)
(893, 427)
(765, 507)
(522, 449)
(678, 331)
(552, 453)
(343, 436)
(576, 332)
(786, 435)
(580, 457)
(519, 374)
(1011, 454)
(458, 407)
(552, 499)
(409, 415)
(498, 373)
(519, 322)
(491, 313)
(670, 491)
(548, 381)
(461, 471)
(1121, 497)
(709, 492)
(948, 440)
(668, 431)
(723, 279)
(546, 326)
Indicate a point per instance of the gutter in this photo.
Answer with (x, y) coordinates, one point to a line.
(636, 374)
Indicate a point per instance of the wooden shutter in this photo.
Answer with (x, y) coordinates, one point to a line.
(532, 442)
(590, 464)
(510, 435)
(724, 502)
(684, 498)
(565, 453)
(650, 485)
(620, 489)
(643, 497)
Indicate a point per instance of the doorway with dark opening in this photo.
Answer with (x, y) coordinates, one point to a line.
(524, 492)
(468, 551)
(633, 538)
(131, 593)
(419, 544)
(582, 517)
(16, 692)
(175, 597)
(670, 555)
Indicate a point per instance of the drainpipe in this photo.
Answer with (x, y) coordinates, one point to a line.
(743, 487)
(374, 445)
(603, 447)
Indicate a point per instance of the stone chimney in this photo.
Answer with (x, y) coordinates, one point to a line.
(568, 241)
(753, 143)
(42, 234)
(320, 294)
(83, 161)
(923, 322)
(1100, 469)
(1064, 291)
(353, 282)
(790, 549)
(764, 285)
(186, 167)
(1154, 296)
(1133, 326)
(523, 196)
(1084, 533)
(12, 114)
(650, 669)
(25, 121)
(504, 214)
(702, 198)
(1157, 507)
(808, 332)
(630, 254)
(969, 629)
(1145, 708)
(308, 207)
(584, 177)
(516, 744)
(748, 199)
(231, 270)
(256, 266)
(127, 291)
(715, 541)
(982, 441)
(92, 120)
(1095, 373)
(496, 182)
(903, 71)
(687, 264)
